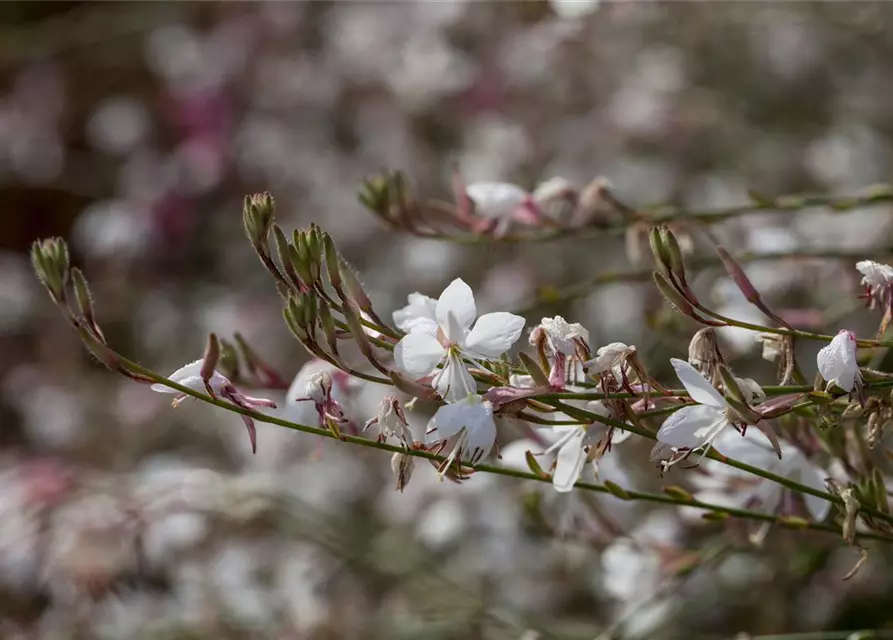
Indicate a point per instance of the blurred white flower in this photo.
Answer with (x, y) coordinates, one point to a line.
(419, 353)
(837, 362)
(496, 199)
(735, 487)
(878, 279)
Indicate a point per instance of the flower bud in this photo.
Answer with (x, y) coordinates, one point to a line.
(355, 288)
(257, 214)
(210, 359)
(332, 262)
(659, 249)
(284, 250)
(674, 253)
(704, 354)
(402, 464)
(672, 295)
(328, 326)
(84, 299)
(51, 263)
(374, 195)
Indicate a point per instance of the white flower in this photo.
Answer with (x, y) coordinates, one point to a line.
(611, 357)
(553, 189)
(471, 419)
(574, 447)
(190, 377)
(875, 274)
(418, 315)
(496, 200)
(561, 335)
(837, 362)
(391, 421)
(419, 353)
(742, 488)
(695, 426)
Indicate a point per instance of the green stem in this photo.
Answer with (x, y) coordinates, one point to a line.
(484, 468)
(715, 455)
(879, 195)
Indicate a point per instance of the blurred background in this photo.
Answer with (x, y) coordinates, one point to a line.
(135, 129)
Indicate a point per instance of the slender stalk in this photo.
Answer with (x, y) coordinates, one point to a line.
(877, 196)
(483, 468)
(580, 289)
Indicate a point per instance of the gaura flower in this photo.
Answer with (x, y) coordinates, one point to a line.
(471, 419)
(496, 199)
(611, 357)
(739, 488)
(837, 362)
(318, 389)
(878, 280)
(696, 426)
(561, 343)
(391, 422)
(419, 353)
(190, 376)
(575, 447)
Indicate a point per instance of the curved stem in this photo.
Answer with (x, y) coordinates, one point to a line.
(484, 468)
(876, 196)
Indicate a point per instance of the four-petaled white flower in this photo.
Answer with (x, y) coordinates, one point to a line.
(419, 353)
(471, 419)
(561, 336)
(837, 362)
(695, 426)
(575, 444)
(732, 486)
(190, 377)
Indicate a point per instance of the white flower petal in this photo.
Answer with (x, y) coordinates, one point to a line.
(875, 274)
(425, 325)
(692, 427)
(418, 354)
(837, 362)
(472, 414)
(495, 199)
(494, 334)
(190, 370)
(697, 386)
(561, 334)
(454, 382)
(420, 307)
(607, 356)
(189, 376)
(457, 299)
(569, 462)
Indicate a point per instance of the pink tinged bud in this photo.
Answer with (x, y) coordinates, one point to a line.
(501, 396)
